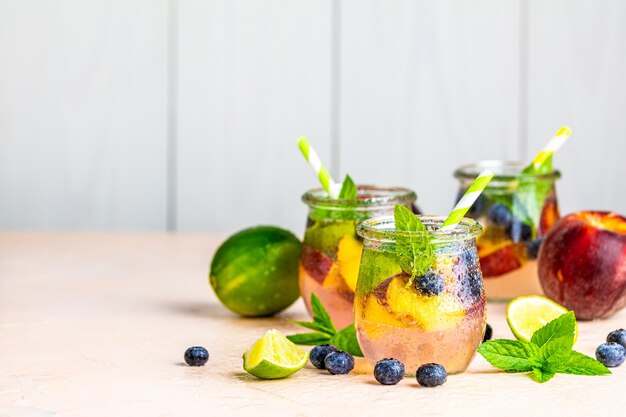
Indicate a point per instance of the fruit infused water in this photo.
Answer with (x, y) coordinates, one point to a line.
(437, 316)
(331, 252)
(516, 211)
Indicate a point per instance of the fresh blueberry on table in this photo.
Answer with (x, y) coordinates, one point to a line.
(532, 248)
(611, 354)
(389, 371)
(431, 375)
(499, 214)
(338, 363)
(488, 333)
(617, 336)
(319, 353)
(430, 284)
(196, 356)
(520, 232)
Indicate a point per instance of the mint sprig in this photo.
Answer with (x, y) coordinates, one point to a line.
(348, 189)
(415, 252)
(549, 352)
(325, 331)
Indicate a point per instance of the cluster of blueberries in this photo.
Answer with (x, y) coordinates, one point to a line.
(387, 371)
(613, 352)
(520, 232)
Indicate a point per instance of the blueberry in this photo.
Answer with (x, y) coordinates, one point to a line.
(389, 371)
(319, 353)
(339, 363)
(469, 257)
(532, 248)
(611, 354)
(196, 356)
(476, 209)
(431, 375)
(475, 283)
(415, 209)
(520, 232)
(430, 284)
(500, 214)
(617, 336)
(488, 333)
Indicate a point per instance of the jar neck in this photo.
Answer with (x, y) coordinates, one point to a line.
(382, 230)
(507, 174)
(369, 199)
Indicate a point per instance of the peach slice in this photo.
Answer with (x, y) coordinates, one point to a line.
(430, 313)
(349, 259)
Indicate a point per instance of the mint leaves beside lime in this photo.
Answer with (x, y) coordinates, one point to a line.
(324, 331)
(255, 271)
(273, 356)
(414, 252)
(548, 352)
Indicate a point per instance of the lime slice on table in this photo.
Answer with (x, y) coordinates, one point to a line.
(528, 314)
(274, 356)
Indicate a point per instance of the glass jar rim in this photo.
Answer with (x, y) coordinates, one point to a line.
(371, 197)
(505, 171)
(383, 229)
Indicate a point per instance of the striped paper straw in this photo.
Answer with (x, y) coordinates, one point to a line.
(464, 204)
(320, 170)
(553, 145)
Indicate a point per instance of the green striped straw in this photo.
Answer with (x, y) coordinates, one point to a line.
(552, 146)
(464, 204)
(320, 170)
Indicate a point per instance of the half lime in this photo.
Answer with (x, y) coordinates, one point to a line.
(274, 356)
(525, 315)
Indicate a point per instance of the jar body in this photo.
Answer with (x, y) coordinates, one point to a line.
(397, 320)
(331, 250)
(515, 212)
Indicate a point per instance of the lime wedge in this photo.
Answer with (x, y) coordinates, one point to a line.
(528, 314)
(274, 356)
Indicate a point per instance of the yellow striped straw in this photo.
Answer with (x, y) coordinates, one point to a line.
(552, 146)
(464, 204)
(322, 173)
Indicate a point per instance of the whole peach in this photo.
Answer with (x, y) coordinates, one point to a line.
(582, 263)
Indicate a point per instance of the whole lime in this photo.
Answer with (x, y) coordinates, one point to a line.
(255, 272)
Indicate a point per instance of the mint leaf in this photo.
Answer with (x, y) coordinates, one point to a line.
(544, 168)
(415, 253)
(313, 326)
(541, 375)
(562, 326)
(348, 189)
(554, 353)
(346, 340)
(579, 364)
(310, 339)
(510, 355)
(320, 315)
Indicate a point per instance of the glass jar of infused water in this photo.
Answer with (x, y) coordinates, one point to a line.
(331, 253)
(439, 317)
(516, 211)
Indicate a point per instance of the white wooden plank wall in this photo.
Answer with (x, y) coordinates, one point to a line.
(82, 114)
(425, 87)
(183, 114)
(253, 77)
(577, 74)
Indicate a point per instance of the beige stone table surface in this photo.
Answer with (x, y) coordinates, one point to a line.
(97, 324)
